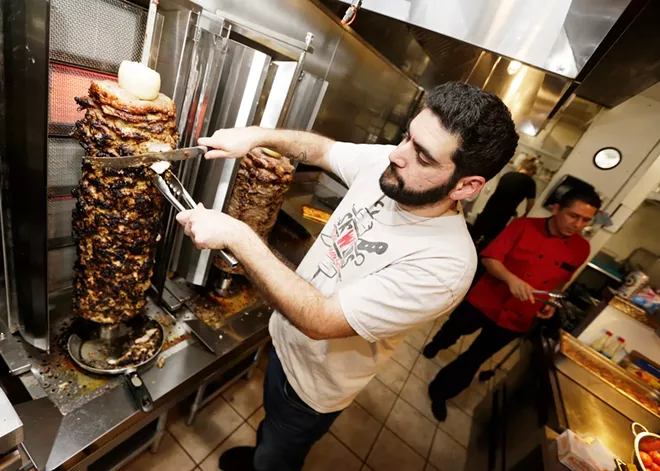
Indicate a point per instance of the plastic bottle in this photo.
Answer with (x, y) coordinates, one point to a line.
(612, 347)
(600, 342)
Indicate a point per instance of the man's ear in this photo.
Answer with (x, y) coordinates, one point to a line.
(555, 209)
(467, 187)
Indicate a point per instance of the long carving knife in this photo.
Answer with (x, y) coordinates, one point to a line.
(149, 158)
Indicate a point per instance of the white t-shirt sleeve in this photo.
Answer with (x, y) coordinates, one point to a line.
(348, 160)
(395, 300)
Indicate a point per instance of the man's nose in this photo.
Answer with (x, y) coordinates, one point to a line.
(398, 158)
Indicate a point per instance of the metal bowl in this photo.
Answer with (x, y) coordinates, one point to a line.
(639, 436)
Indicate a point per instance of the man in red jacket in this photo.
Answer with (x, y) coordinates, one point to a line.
(530, 254)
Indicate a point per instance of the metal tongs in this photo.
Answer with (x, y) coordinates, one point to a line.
(172, 188)
(554, 297)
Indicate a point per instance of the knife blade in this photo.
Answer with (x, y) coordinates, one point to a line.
(149, 158)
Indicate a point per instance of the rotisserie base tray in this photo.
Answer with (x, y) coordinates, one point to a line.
(68, 385)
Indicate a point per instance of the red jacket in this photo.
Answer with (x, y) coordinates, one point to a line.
(527, 250)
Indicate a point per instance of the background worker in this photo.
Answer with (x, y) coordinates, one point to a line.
(530, 254)
(511, 190)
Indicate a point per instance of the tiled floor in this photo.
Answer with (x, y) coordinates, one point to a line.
(390, 425)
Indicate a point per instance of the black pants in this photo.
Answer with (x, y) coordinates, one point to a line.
(457, 375)
(290, 427)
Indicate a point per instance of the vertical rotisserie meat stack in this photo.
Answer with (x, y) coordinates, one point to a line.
(261, 182)
(117, 218)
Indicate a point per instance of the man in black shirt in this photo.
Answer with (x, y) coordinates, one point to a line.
(512, 188)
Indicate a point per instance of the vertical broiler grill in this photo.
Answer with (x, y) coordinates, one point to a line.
(215, 81)
(220, 72)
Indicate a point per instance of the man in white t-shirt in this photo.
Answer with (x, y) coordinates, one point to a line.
(395, 255)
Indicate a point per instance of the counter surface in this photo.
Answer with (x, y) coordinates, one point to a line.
(589, 415)
(52, 439)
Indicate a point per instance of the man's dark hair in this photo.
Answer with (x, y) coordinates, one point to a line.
(483, 124)
(586, 195)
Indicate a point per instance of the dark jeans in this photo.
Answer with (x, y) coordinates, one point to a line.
(457, 375)
(290, 427)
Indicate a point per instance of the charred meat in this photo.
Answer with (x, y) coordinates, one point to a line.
(116, 221)
(261, 183)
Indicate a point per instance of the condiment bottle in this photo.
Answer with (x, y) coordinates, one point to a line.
(612, 347)
(600, 342)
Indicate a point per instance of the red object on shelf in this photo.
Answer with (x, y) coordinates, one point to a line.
(66, 83)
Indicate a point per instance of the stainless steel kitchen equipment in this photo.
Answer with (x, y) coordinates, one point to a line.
(11, 435)
(214, 79)
(607, 380)
(559, 36)
(220, 72)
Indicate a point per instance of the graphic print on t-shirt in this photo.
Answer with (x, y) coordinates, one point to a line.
(346, 242)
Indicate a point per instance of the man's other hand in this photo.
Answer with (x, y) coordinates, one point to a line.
(521, 290)
(210, 229)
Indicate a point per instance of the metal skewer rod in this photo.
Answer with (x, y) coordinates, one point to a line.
(149, 32)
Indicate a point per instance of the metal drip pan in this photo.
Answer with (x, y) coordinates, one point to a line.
(92, 352)
(96, 353)
(66, 383)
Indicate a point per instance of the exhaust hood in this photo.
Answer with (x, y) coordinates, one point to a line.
(535, 55)
(558, 36)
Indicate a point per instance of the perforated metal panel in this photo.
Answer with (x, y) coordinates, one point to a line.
(96, 34)
(64, 159)
(65, 84)
(59, 217)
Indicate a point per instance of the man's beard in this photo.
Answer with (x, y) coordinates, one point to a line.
(402, 195)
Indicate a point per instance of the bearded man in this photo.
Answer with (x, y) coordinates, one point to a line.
(395, 255)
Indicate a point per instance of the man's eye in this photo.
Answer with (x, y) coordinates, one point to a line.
(406, 137)
(422, 161)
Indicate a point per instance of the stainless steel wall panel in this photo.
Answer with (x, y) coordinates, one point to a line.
(364, 90)
(26, 72)
(293, 18)
(175, 51)
(531, 94)
(202, 58)
(363, 94)
(306, 103)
